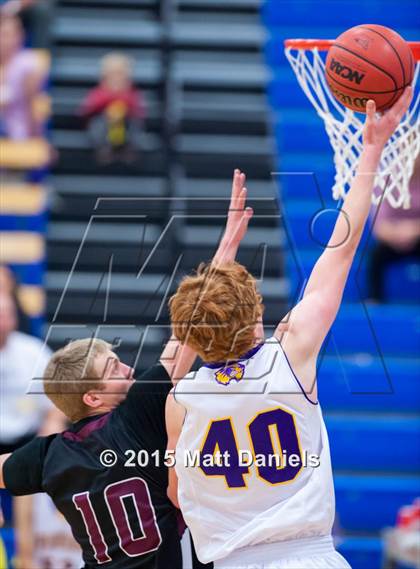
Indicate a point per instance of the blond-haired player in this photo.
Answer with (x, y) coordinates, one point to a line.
(107, 472)
(253, 462)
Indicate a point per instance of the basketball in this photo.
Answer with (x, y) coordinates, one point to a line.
(369, 62)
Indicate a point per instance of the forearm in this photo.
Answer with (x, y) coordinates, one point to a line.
(226, 252)
(177, 359)
(355, 210)
(23, 512)
(330, 272)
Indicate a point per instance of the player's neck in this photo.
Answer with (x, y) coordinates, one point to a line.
(98, 411)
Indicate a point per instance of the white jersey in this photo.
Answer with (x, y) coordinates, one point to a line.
(23, 404)
(264, 472)
(54, 544)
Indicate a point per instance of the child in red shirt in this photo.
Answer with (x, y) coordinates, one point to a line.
(115, 111)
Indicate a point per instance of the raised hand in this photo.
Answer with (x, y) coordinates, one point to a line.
(238, 214)
(237, 221)
(378, 129)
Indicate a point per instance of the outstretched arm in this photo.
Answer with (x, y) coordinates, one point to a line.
(237, 224)
(176, 357)
(312, 318)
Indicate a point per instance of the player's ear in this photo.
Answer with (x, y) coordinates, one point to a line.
(92, 399)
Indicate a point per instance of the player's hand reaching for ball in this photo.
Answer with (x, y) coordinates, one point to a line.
(378, 129)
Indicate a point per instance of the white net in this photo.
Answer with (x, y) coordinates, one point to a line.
(344, 128)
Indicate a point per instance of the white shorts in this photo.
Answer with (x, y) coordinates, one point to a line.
(309, 553)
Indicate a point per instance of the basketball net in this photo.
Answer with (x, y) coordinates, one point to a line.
(345, 127)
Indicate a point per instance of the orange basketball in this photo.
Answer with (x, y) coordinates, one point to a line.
(369, 62)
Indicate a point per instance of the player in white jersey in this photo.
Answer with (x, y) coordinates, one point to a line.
(253, 462)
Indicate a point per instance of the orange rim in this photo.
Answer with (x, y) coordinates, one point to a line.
(324, 45)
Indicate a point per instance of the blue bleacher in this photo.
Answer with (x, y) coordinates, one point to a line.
(390, 444)
(361, 552)
(402, 280)
(36, 223)
(342, 15)
(29, 273)
(369, 503)
(369, 374)
(289, 127)
(364, 383)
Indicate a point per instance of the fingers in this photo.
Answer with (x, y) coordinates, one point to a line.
(401, 106)
(242, 199)
(370, 110)
(246, 218)
(370, 121)
(248, 213)
(237, 201)
(238, 183)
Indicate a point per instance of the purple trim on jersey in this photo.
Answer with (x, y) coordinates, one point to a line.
(295, 376)
(87, 430)
(247, 356)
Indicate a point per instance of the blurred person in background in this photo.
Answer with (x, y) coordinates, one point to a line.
(3, 557)
(21, 81)
(397, 231)
(36, 18)
(114, 111)
(22, 357)
(43, 537)
(8, 285)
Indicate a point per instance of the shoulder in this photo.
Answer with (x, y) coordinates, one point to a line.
(97, 91)
(22, 471)
(146, 397)
(30, 345)
(25, 60)
(27, 340)
(191, 374)
(156, 373)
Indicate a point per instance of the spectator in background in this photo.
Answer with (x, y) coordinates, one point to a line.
(36, 17)
(8, 285)
(43, 537)
(398, 236)
(114, 111)
(21, 81)
(22, 357)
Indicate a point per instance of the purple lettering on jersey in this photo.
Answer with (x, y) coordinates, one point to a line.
(263, 445)
(135, 489)
(221, 438)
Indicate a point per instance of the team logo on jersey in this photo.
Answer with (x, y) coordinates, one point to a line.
(225, 375)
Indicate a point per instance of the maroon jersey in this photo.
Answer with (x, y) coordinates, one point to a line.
(119, 514)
